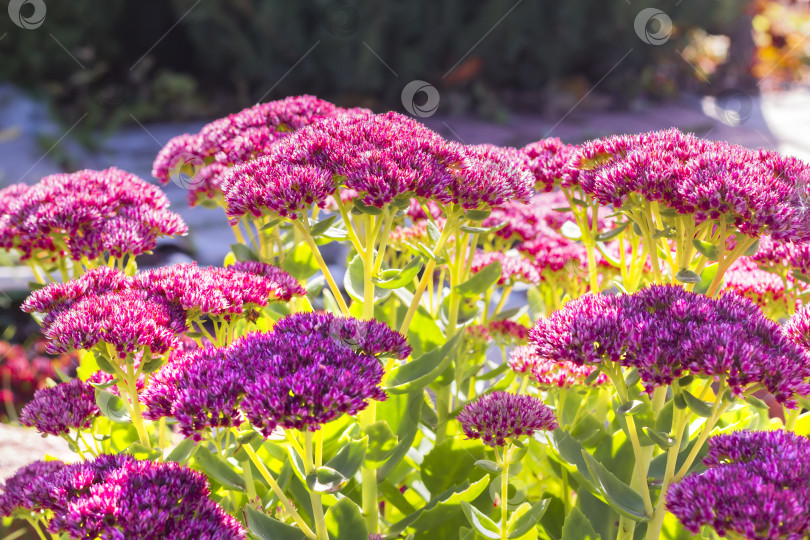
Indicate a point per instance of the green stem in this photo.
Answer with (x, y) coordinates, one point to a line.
(247, 472)
(289, 508)
(791, 417)
(505, 492)
(303, 226)
(315, 498)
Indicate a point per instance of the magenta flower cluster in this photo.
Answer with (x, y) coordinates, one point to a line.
(151, 309)
(58, 409)
(86, 214)
(237, 138)
(666, 332)
(757, 486)
(118, 497)
(499, 416)
(760, 192)
(549, 373)
(376, 158)
(312, 368)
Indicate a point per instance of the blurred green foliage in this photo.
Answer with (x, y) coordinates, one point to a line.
(225, 54)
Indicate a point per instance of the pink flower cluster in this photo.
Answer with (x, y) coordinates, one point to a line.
(237, 138)
(151, 309)
(548, 373)
(86, 214)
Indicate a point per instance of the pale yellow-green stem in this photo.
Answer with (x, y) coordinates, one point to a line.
(505, 489)
(314, 498)
(725, 262)
(247, 473)
(333, 286)
(127, 386)
(288, 507)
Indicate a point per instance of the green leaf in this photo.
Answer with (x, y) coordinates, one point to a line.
(152, 364)
(243, 253)
(756, 402)
(103, 364)
(478, 215)
(484, 230)
(481, 281)
(433, 232)
(630, 408)
(451, 463)
(436, 511)
(344, 521)
(325, 480)
(687, 276)
(218, 469)
(617, 494)
(422, 371)
(300, 262)
(181, 452)
(353, 282)
(381, 443)
(706, 278)
(527, 521)
(480, 522)
(489, 466)
(797, 274)
(697, 406)
(577, 527)
(394, 278)
(349, 459)
(706, 249)
(270, 224)
(318, 228)
(267, 528)
(613, 233)
(364, 208)
(663, 440)
(139, 451)
(112, 407)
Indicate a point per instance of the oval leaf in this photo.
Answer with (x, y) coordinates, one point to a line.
(243, 253)
(617, 494)
(325, 480)
(267, 528)
(349, 459)
(181, 452)
(630, 408)
(530, 519)
(687, 276)
(480, 522)
(344, 521)
(112, 407)
(706, 249)
(697, 406)
(218, 469)
(318, 228)
(578, 527)
(422, 371)
(481, 281)
(663, 440)
(394, 279)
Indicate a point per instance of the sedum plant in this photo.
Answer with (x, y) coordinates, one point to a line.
(552, 342)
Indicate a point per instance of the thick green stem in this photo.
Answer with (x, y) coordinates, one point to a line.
(303, 226)
(505, 493)
(314, 498)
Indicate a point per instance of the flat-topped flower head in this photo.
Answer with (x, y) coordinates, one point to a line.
(489, 176)
(766, 289)
(549, 374)
(58, 409)
(550, 162)
(797, 329)
(665, 331)
(57, 296)
(17, 490)
(87, 214)
(127, 320)
(783, 257)
(212, 291)
(500, 416)
(760, 192)
(371, 337)
(305, 380)
(207, 156)
(757, 486)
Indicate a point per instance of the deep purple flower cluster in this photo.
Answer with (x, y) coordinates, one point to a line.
(309, 370)
(152, 308)
(237, 138)
(759, 191)
(58, 409)
(119, 497)
(499, 416)
(757, 486)
(376, 158)
(86, 214)
(665, 331)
